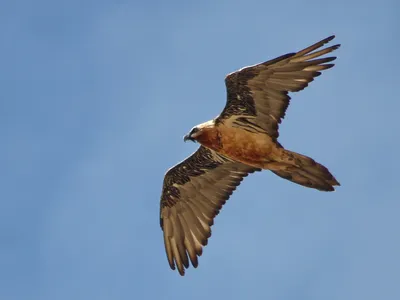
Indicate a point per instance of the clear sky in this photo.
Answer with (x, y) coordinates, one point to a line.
(95, 98)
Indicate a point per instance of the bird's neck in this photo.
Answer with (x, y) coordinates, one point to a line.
(210, 138)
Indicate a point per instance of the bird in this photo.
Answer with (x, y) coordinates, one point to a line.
(241, 140)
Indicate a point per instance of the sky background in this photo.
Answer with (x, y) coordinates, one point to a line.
(95, 98)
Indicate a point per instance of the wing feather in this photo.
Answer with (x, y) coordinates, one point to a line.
(168, 233)
(193, 193)
(190, 244)
(260, 92)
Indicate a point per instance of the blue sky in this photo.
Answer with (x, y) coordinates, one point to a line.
(95, 99)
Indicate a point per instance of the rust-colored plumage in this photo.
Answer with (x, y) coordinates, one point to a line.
(243, 139)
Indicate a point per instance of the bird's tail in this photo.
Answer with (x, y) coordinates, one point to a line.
(307, 172)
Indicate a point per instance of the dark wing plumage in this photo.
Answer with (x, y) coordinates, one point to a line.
(257, 96)
(193, 193)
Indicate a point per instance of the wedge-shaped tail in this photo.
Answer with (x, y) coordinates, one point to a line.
(307, 172)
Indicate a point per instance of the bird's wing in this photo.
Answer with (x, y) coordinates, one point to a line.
(257, 96)
(193, 193)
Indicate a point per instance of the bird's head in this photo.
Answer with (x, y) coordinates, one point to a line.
(193, 134)
(199, 132)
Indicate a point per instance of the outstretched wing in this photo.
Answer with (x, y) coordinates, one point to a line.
(193, 193)
(257, 96)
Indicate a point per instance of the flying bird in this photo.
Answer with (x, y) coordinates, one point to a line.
(243, 139)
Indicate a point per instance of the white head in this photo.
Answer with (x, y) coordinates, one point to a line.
(196, 131)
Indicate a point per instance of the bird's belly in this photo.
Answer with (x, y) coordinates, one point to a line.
(250, 148)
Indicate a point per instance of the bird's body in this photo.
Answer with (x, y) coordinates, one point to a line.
(243, 139)
(253, 149)
(259, 150)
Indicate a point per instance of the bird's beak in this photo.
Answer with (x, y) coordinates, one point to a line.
(187, 138)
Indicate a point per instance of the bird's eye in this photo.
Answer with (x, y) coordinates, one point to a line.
(194, 130)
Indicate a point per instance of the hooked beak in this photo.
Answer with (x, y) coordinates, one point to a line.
(187, 138)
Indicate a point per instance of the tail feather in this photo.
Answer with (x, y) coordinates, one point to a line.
(307, 172)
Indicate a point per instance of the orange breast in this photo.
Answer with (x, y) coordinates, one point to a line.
(246, 146)
(210, 138)
(250, 148)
